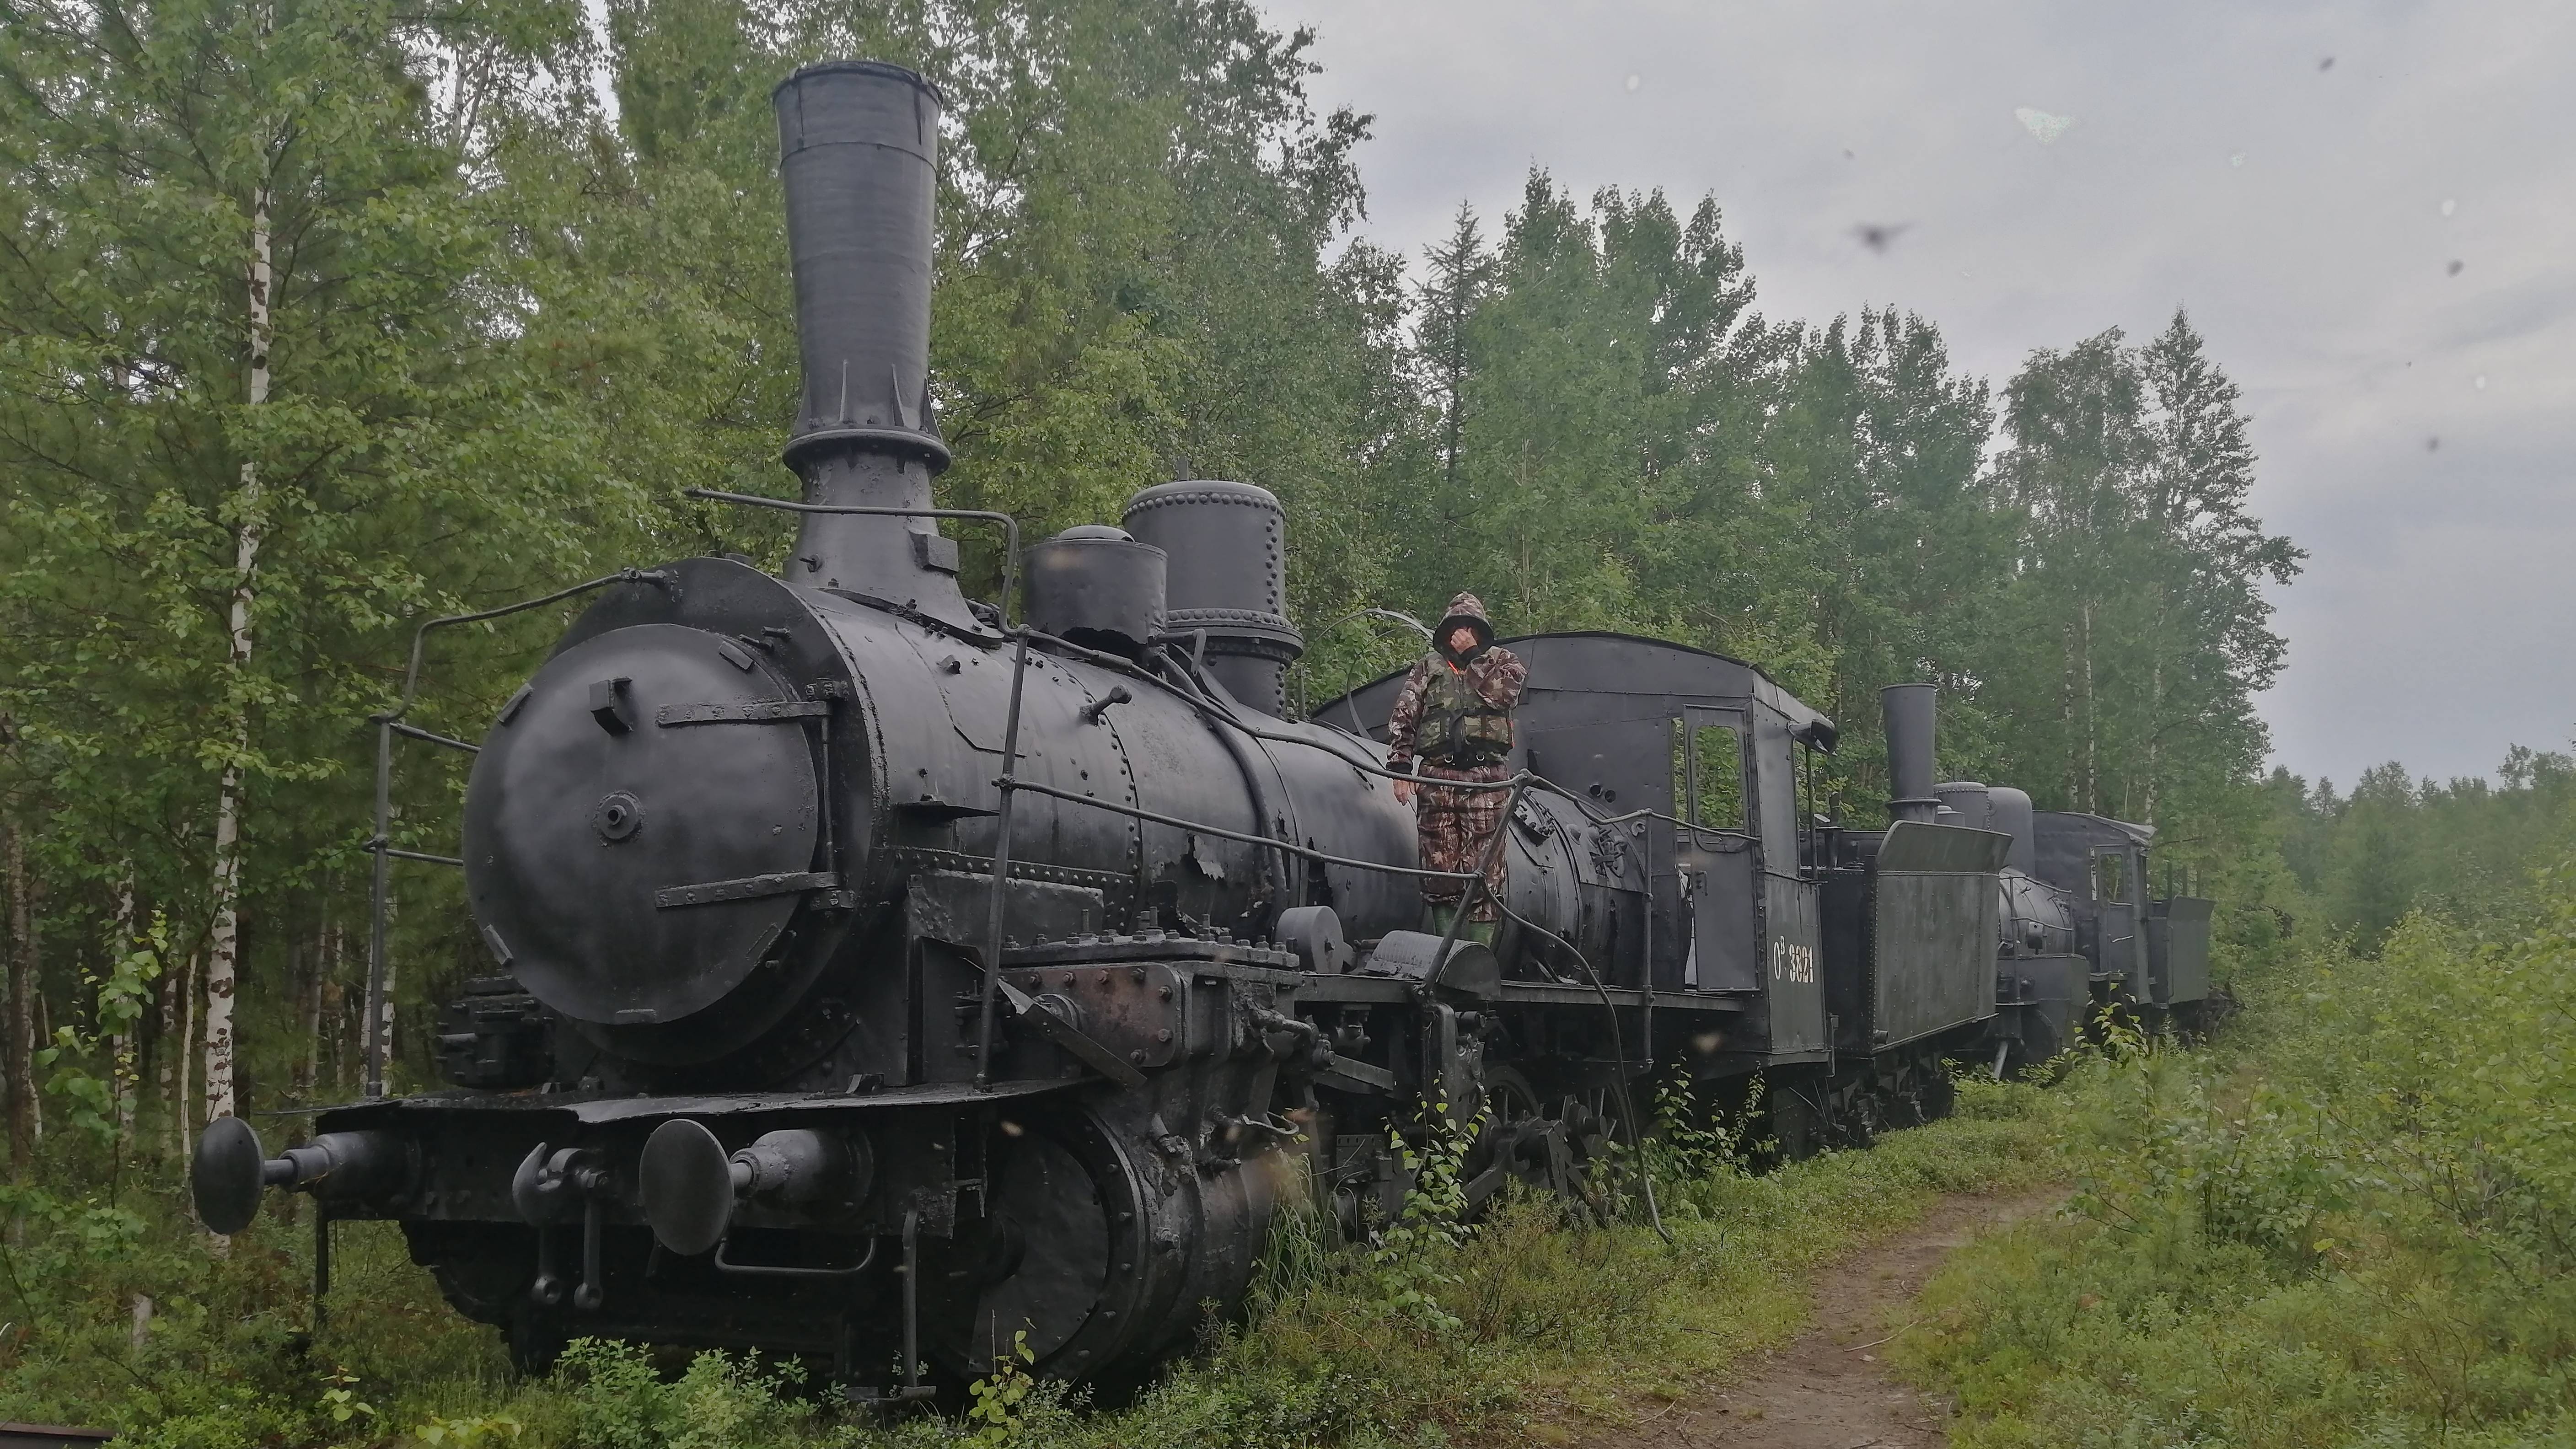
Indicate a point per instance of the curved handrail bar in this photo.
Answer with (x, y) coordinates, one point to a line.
(388, 723)
(1010, 727)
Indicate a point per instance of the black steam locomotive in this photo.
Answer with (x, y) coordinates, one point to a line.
(875, 979)
(2080, 930)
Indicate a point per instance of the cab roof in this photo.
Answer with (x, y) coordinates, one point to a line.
(1592, 661)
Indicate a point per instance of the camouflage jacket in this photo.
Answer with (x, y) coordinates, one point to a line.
(1453, 716)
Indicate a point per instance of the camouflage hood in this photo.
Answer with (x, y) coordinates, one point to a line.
(1465, 609)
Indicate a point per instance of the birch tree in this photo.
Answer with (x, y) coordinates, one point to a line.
(266, 394)
(222, 958)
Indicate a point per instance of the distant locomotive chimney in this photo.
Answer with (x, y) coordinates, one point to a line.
(2012, 815)
(1909, 751)
(858, 146)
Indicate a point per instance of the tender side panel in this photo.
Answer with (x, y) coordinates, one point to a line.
(1933, 925)
(2178, 950)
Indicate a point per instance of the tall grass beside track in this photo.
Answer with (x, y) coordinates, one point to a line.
(1526, 1331)
(2353, 1222)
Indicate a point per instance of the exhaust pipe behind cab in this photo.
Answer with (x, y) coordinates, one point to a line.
(1909, 710)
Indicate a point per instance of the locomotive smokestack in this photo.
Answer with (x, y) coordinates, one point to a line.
(858, 147)
(1909, 751)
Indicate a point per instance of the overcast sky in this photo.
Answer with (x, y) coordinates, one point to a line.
(2303, 178)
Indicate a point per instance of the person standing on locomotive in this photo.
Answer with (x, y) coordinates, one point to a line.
(1453, 721)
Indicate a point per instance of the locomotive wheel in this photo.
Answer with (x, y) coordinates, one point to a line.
(1065, 1252)
(1597, 1128)
(1521, 1140)
(1044, 1260)
(1559, 1145)
(1797, 1127)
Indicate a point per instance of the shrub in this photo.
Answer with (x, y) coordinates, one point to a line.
(2357, 1225)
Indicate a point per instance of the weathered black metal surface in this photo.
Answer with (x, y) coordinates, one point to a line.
(686, 1187)
(2178, 950)
(1999, 808)
(1228, 576)
(1096, 587)
(1599, 723)
(1909, 711)
(2041, 1003)
(225, 1176)
(858, 149)
(1934, 922)
(1468, 971)
(631, 823)
(859, 158)
(735, 851)
(1793, 1024)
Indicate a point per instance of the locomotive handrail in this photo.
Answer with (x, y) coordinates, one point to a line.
(1010, 524)
(412, 731)
(420, 636)
(1303, 852)
(1350, 698)
(1393, 615)
(1019, 637)
(389, 723)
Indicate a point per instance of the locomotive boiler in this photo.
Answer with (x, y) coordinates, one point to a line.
(878, 977)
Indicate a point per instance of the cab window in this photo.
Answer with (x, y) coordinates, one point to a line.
(1708, 775)
(2111, 875)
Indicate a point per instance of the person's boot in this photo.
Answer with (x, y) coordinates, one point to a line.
(1440, 914)
(1480, 932)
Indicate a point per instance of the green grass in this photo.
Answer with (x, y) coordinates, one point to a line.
(2353, 1223)
(1529, 1331)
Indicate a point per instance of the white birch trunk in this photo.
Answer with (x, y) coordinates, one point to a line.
(384, 1023)
(224, 944)
(185, 1116)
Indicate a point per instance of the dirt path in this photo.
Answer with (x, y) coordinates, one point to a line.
(1829, 1388)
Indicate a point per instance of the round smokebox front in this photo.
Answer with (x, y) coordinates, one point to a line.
(641, 824)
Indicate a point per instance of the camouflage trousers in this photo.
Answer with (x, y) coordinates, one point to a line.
(1456, 828)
